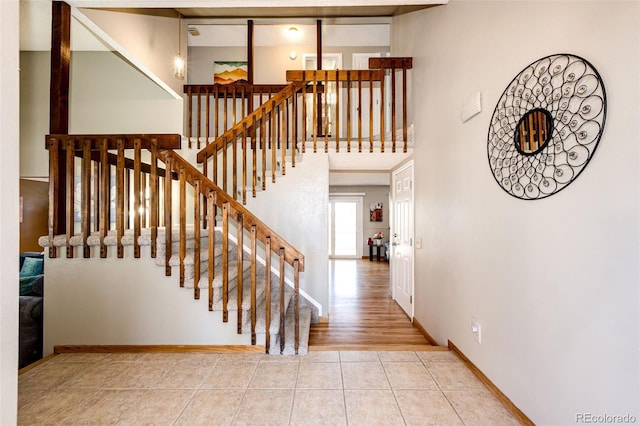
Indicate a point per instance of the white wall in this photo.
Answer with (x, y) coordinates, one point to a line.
(296, 208)
(9, 133)
(554, 282)
(127, 302)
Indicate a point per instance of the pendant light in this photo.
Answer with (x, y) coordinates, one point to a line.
(178, 62)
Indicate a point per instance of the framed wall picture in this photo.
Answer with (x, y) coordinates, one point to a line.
(375, 212)
(225, 72)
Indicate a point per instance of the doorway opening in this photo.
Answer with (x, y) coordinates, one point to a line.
(345, 227)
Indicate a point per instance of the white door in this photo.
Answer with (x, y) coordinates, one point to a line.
(402, 238)
(345, 227)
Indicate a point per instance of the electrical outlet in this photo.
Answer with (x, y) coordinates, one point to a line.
(476, 329)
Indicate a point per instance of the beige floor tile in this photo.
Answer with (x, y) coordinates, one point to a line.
(319, 407)
(438, 356)
(319, 375)
(57, 408)
(158, 407)
(50, 375)
(480, 407)
(211, 407)
(426, 408)
(230, 375)
(359, 356)
(237, 357)
(453, 376)
(279, 358)
(398, 356)
(408, 375)
(97, 375)
(139, 375)
(184, 375)
(265, 407)
(364, 375)
(372, 407)
(275, 375)
(109, 406)
(321, 356)
(200, 358)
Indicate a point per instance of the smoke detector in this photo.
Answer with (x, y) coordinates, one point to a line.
(193, 31)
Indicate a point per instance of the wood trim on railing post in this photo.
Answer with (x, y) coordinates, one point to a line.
(137, 189)
(234, 165)
(296, 302)
(208, 119)
(348, 111)
(393, 110)
(404, 109)
(189, 115)
(95, 190)
(254, 159)
(199, 119)
(120, 193)
(250, 52)
(382, 117)
(244, 163)
(153, 198)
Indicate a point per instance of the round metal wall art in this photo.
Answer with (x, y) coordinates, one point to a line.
(546, 126)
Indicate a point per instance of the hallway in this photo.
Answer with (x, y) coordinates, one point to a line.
(361, 313)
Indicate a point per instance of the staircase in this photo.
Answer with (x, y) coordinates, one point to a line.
(217, 246)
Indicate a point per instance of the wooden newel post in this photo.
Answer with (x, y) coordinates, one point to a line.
(59, 103)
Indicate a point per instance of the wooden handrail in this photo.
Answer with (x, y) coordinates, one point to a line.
(234, 208)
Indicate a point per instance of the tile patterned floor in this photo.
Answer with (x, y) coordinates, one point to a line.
(322, 388)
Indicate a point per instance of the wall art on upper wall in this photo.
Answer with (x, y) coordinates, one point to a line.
(375, 212)
(546, 126)
(225, 72)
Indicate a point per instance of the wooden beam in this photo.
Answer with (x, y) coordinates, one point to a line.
(59, 98)
(250, 51)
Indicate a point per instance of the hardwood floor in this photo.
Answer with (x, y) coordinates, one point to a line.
(361, 311)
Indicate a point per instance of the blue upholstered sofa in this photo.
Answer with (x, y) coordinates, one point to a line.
(31, 304)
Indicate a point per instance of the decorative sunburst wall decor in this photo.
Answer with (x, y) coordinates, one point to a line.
(546, 126)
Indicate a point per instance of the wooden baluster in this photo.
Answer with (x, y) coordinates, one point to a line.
(120, 192)
(272, 142)
(304, 117)
(253, 283)
(225, 93)
(207, 118)
(85, 188)
(70, 180)
(359, 112)
(127, 202)
(240, 265)
(315, 112)
(183, 222)
(243, 95)
(167, 215)
(214, 163)
(211, 201)
(53, 147)
(216, 98)
(225, 261)
(97, 197)
(296, 302)
(105, 185)
(196, 239)
(224, 164)
(336, 129)
(234, 178)
(189, 114)
(267, 293)
(294, 128)
(205, 206)
(244, 163)
(234, 105)
(199, 118)
(348, 111)
(137, 205)
(382, 128)
(370, 112)
(144, 208)
(153, 198)
(325, 120)
(263, 146)
(254, 158)
(284, 137)
(393, 109)
(281, 287)
(404, 109)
